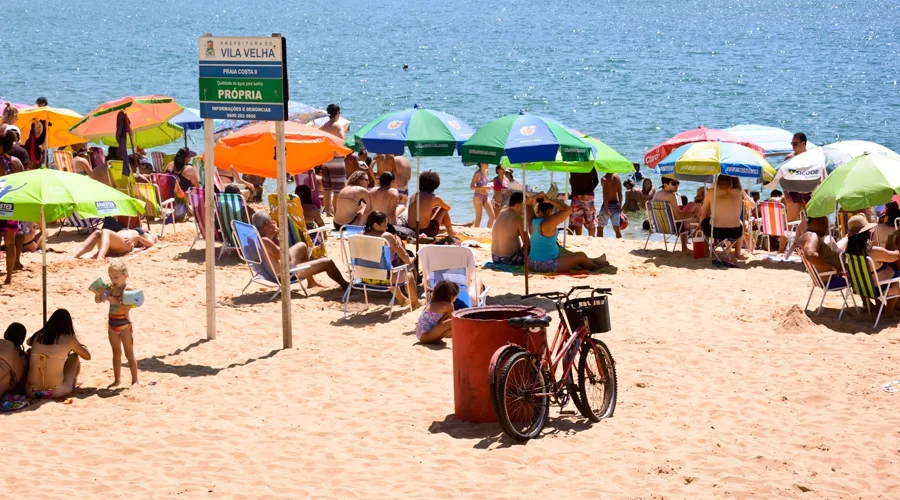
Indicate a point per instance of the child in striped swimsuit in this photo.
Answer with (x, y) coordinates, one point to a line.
(121, 333)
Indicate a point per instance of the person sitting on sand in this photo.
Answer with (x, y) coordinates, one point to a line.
(116, 243)
(434, 324)
(353, 203)
(545, 255)
(299, 254)
(632, 197)
(432, 210)
(385, 198)
(508, 236)
(688, 211)
(729, 206)
(13, 361)
(311, 213)
(377, 225)
(53, 365)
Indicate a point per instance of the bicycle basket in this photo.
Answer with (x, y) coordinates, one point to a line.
(595, 310)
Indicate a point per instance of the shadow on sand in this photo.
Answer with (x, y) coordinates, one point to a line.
(491, 433)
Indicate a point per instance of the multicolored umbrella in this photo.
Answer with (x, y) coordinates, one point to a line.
(699, 134)
(776, 141)
(58, 120)
(700, 161)
(863, 182)
(424, 132)
(524, 138)
(160, 135)
(252, 149)
(143, 112)
(47, 194)
(831, 156)
(603, 158)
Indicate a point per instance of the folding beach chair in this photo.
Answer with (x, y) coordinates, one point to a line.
(860, 272)
(298, 228)
(830, 281)
(169, 190)
(196, 196)
(201, 172)
(343, 235)
(663, 222)
(451, 263)
(230, 207)
(371, 269)
(84, 226)
(117, 178)
(159, 163)
(156, 206)
(63, 161)
(773, 222)
(250, 250)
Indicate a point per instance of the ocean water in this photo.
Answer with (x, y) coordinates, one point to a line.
(630, 73)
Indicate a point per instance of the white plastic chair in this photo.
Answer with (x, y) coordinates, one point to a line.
(369, 260)
(436, 258)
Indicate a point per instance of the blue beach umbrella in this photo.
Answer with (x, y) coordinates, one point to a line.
(189, 119)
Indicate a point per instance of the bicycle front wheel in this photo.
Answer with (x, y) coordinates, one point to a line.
(524, 402)
(596, 381)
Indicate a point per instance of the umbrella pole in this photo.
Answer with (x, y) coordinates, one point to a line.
(525, 225)
(565, 224)
(209, 166)
(44, 262)
(285, 271)
(712, 217)
(418, 195)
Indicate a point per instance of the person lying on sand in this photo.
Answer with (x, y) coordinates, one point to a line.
(545, 255)
(12, 359)
(298, 254)
(116, 243)
(54, 365)
(508, 236)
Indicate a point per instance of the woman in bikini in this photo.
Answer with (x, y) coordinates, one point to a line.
(8, 228)
(481, 185)
(501, 184)
(116, 243)
(12, 359)
(54, 365)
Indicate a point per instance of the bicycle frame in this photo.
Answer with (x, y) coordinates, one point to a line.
(552, 354)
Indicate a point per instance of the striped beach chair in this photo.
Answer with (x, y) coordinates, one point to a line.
(201, 172)
(863, 278)
(158, 158)
(262, 272)
(63, 161)
(157, 208)
(229, 208)
(773, 222)
(117, 178)
(84, 226)
(169, 190)
(298, 229)
(829, 281)
(663, 222)
(197, 198)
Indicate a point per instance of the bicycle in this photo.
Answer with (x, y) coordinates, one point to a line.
(523, 379)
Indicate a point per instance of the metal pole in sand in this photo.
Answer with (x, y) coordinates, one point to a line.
(525, 225)
(44, 261)
(209, 165)
(285, 271)
(418, 195)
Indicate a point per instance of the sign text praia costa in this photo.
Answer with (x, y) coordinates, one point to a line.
(243, 78)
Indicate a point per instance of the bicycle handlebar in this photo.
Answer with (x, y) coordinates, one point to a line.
(560, 295)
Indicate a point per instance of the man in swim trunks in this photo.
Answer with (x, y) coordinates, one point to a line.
(508, 235)
(584, 213)
(611, 211)
(353, 203)
(334, 173)
(116, 243)
(432, 212)
(402, 170)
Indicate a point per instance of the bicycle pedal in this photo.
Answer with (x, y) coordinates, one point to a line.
(566, 412)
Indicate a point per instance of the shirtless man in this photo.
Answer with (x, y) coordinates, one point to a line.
(334, 173)
(352, 163)
(385, 198)
(299, 254)
(508, 235)
(689, 211)
(109, 242)
(80, 161)
(820, 249)
(12, 359)
(433, 211)
(729, 206)
(353, 203)
(402, 170)
(611, 210)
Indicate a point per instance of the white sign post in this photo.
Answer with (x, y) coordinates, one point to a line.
(245, 78)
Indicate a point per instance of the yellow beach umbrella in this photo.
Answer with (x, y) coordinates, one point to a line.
(58, 120)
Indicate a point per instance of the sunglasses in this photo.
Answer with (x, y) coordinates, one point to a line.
(675, 183)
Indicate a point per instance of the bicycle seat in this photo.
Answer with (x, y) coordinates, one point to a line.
(527, 322)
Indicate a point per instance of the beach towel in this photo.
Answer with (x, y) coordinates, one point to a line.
(505, 268)
(13, 402)
(892, 386)
(793, 259)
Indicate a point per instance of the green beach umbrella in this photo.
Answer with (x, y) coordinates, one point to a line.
(603, 158)
(45, 194)
(160, 135)
(524, 138)
(863, 182)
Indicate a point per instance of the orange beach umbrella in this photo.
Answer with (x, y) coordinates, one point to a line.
(58, 121)
(252, 149)
(144, 112)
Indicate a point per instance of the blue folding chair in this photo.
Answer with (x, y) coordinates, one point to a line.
(371, 269)
(250, 250)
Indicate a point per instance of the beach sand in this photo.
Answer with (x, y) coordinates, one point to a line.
(726, 390)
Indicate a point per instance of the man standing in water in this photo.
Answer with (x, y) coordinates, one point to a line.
(334, 173)
(612, 205)
(584, 213)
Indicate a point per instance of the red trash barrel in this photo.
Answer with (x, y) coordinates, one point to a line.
(477, 333)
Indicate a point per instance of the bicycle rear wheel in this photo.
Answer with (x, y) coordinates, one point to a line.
(596, 381)
(523, 402)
